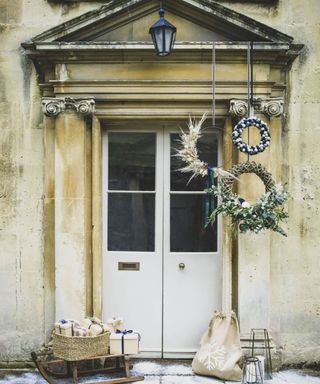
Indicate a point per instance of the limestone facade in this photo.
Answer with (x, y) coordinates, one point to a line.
(49, 88)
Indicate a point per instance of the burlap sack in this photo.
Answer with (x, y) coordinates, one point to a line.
(220, 349)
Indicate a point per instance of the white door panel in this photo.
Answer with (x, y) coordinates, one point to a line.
(136, 296)
(135, 228)
(190, 295)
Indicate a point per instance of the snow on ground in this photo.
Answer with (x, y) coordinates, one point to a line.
(25, 378)
(155, 368)
(165, 373)
(294, 377)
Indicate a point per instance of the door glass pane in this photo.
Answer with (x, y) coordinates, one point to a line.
(208, 151)
(132, 161)
(186, 225)
(131, 221)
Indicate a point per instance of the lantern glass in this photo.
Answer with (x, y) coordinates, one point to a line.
(159, 40)
(169, 40)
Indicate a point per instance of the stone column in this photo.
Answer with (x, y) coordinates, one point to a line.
(255, 262)
(72, 212)
(228, 257)
(48, 212)
(97, 217)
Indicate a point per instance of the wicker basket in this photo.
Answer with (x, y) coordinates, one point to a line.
(80, 347)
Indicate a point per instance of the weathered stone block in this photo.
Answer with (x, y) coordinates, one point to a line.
(9, 250)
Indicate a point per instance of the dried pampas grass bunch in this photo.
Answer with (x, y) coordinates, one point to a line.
(188, 152)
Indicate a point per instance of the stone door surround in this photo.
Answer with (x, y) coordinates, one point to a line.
(74, 171)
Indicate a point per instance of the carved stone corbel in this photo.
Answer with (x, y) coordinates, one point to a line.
(269, 107)
(238, 108)
(52, 106)
(272, 107)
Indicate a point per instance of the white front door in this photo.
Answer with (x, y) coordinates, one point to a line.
(161, 269)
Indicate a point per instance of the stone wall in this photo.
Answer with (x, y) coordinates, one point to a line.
(293, 277)
(25, 294)
(294, 269)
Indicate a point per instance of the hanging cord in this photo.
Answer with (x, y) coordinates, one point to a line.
(251, 77)
(213, 106)
(249, 88)
(209, 203)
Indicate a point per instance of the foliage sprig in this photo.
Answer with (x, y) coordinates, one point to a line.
(267, 212)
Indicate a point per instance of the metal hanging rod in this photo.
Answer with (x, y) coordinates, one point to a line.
(213, 84)
(250, 110)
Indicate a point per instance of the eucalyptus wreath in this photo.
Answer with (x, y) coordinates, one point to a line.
(247, 148)
(267, 212)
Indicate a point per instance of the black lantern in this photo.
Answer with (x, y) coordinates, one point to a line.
(163, 35)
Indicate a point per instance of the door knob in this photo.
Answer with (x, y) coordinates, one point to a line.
(182, 266)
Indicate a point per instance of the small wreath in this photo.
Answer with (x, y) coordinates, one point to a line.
(247, 148)
(266, 213)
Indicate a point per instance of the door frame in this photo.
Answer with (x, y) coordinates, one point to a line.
(229, 288)
(163, 131)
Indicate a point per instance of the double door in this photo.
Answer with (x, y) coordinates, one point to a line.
(161, 268)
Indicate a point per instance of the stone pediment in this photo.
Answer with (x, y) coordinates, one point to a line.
(107, 55)
(119, 31)
(129, 20)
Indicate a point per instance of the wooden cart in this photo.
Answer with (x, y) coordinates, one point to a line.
(50, 367)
